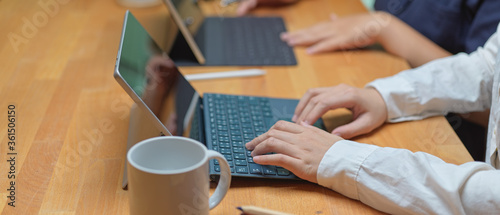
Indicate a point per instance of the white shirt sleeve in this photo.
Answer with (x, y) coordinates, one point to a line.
(460, 83)
(398, 181)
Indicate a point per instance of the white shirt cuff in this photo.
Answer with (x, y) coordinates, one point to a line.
(399, 96)
(339, 167)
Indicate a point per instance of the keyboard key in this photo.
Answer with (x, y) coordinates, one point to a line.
(217, 168)
(241, 169)
(238, 144)
(236, 138)
(246, 125)
(258, 133)
(238, 150)
(224, 145)
(247, 130)
(225, 151)
(223, 139)
(235, 132)
(269, 170)
(228, 157)
(282, 172)
(248, 136)
(260, 129)
(222, 122)
(240, 156)
(258, 124)
(255, 169)
(250, 160)
(240, 162)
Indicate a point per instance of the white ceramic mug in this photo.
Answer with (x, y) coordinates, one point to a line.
(169, 175)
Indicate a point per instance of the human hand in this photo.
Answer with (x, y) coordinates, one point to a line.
(247, 5)
(160, 72)
(367, 105)
(298, 148)
(349, 32)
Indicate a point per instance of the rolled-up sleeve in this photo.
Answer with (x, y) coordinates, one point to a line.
(461, 83)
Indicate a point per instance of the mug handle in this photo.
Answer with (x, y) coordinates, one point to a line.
(224, 181)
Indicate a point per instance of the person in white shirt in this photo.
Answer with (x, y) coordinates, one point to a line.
(397, 181)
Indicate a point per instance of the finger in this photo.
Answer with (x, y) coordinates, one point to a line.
(314, 128)
(362, 125)
(333, 16)
(338, 97)
(281, 130)
(281, 160)
(275, 145)
(245, 6)
(256, 141)
(295, 165)
(284, 36)
(286, 127)
(309, 35)
(316, 104)
(304, 101)
(331, 44)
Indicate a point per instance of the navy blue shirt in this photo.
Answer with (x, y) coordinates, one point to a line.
(455, 25)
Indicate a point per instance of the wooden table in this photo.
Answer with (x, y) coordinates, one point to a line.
(71, 117)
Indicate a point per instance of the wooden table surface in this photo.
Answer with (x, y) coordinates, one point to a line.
(71, 117)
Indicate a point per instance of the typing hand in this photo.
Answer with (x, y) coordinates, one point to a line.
(367, 106)
(246, 6)
(298, 148)
(353, 31)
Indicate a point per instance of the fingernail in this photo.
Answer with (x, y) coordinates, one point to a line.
(338, 133)
(256, 159)
(283, 35)
(294, 118)
(310, 51)
(306, 124)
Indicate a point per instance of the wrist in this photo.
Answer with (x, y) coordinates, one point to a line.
(384, 21)
(378, 101)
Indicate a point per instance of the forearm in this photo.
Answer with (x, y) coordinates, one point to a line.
(402, 40)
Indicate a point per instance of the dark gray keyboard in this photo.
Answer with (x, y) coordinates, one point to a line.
(256, 39)
(234, 121)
